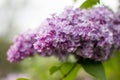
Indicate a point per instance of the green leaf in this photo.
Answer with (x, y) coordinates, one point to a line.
(54, 69)
(22, 79)
(95, 69)
(89, 3)
(69, 71)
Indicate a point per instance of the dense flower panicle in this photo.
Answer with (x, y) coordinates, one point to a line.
(22, 47)
(80, 32)
(92, 34)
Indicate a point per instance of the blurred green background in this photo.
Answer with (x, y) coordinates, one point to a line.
(18, 15)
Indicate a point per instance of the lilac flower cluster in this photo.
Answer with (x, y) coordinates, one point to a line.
(22, 47)
(79, 32)
(82, 33)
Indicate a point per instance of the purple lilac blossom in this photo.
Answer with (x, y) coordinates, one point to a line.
(22, 47)
(116, 30)
(83, 33)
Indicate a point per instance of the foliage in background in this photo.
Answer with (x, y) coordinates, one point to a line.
(112, 67)
(38, 68)
(5, 66)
